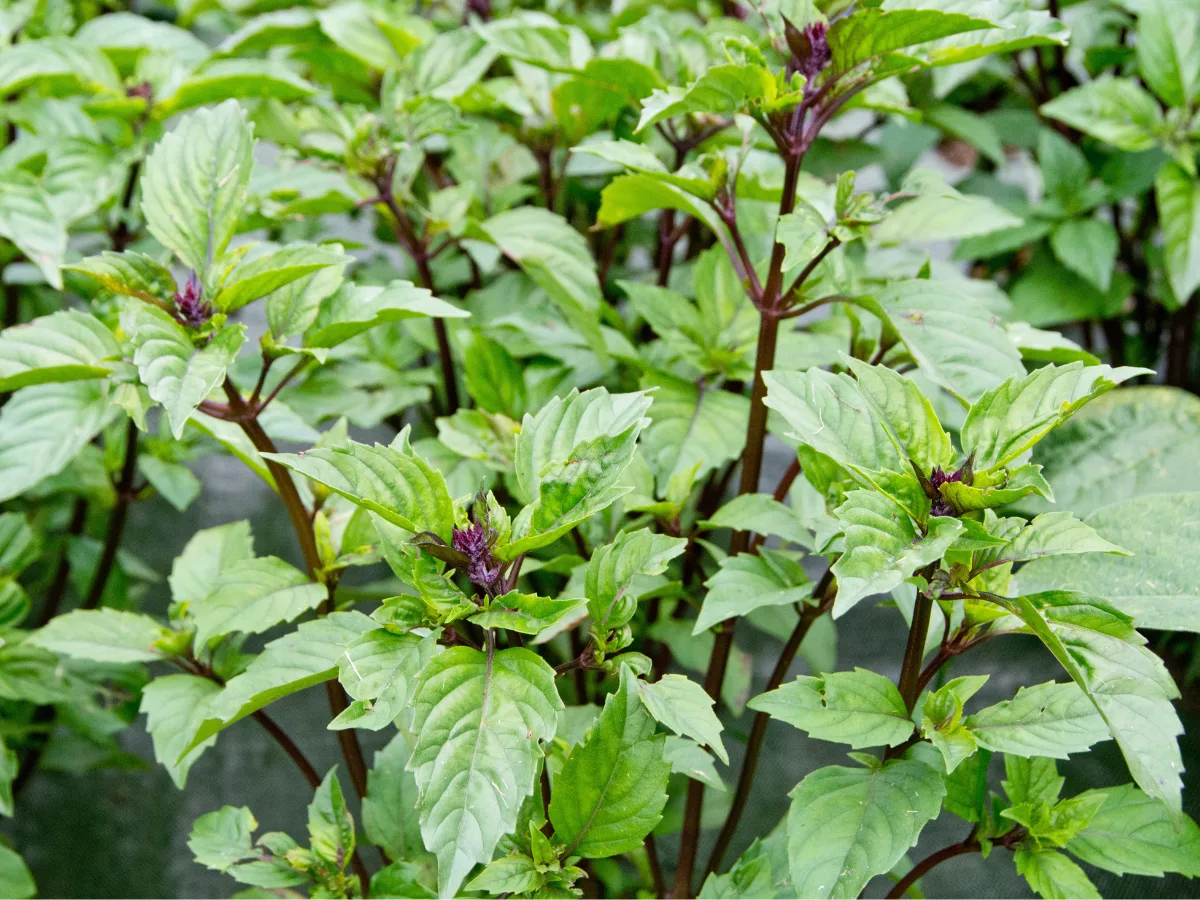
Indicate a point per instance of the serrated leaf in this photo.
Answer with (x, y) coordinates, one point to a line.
(1016, 27)
(859, 708)
(257, 276)
(1178, 196)
(103, 635)
(64, 346)
(173, 481)
(176, 374)
(846, 825)
(747, 582)
(527, 613)
(479, 718)
(939, 213)
(221, 839)
(1135, 834)
(207, 554)
(28, 220)
(1088, 247)
(389, 810)
(353, 309)
(684, 707)
(1053, 875)
(175, 705)
(883, 547)
(58, 66)
(1006, 421)
(1168, 50)
(509, 875)
(253, 595)
(1114, 110)
(613, 787)
(291, 309)
(379, 671)
(728, 88)
(130, 274)
(195, 182)
(330, 825)
(614, 569)
(1051, 720)
(631, 196)
(43, 427)
(226, 79)
(761, 514)
(686, 757)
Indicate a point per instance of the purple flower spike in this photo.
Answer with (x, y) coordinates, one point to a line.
(475, 542)
(190, 308)
(810, 48)
(937, 478)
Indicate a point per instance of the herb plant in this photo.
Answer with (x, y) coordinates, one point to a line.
(515, 311)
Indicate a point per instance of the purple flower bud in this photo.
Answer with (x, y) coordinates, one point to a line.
(809, 46)
(475, 542)
(190, 308)
(940, 506)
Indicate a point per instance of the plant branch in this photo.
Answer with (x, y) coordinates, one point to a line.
(910, 670)
(970, 845)
(62, 574)
(116, 520)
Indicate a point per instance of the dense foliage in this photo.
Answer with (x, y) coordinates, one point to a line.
(532, 296)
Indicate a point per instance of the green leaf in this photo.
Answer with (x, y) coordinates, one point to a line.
(1156, 582)
(389, 810)
(1009, 419)
(1168, 50)
(883, 547)
(969, 127)
(1178, 196)
(527, 613)
(64, 346)
(859, 708)
(557, 258)
(392, 482)
(175, 705)
(632, 196)
(956, 341)
(1114, 110)
(195, 182)
(747, 582)
(763, 515)
(103, 635)
(330, 825)
(353, 309)
(43, 427)
(1053, 875)
(379, 671)
(939, 213)
(1064, 170)
(130, 274)
(177, 375)
(614, 569)
(803, 233)
(28, 220)
(1016, 27)
(291, 309)
(509, 875)
(16, 881)
(1135, 834)
(691, 427)
(226, 79)
(221, 839)
(684, 707)
(1056, 534)
(479, 718)
(1033, 781)
(207, 554)
(1127, 683)
(58, 66)
(252, 596)
(874, 32)
(686, 757)
(846, 826)
(728, 88)
(612, 789)
(300, 659)
(256, 276)
(1087, 247)
(174, 481)
(1050, 719)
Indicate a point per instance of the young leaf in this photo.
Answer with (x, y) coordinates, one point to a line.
(1168, 50)
(330, 825)
(209, 553)
(684, 707)
(221, 839)
(528, 613)
(103, 635)
(223, 79)
(257, 276)
(686, 757)
(859, 708)
(762, 515)
(614, 569)
(845, 826)
(729, 88)
(1114, 110)
(1056, 534)
(1135, 834)
(479, 718)
(1050, 720)
(939, 212)
(252, 596)
(353, 309)
(612, 789)
(195, 182)
(747, 582)
(175, 705)
(1054, 875)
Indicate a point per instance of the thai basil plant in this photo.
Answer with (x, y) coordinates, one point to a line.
(603, 361)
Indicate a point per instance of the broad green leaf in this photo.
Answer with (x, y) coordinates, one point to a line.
(686, 757)
(221, 839)
(1016, 27)
(43, 427)
(103, 635)
(1114, 110)
(762, 872)
(803, 233)
(130, 274)
(612, 789)
(509, 875)
(28, 220)
(1168, 49)
(1009, 419)
(1178, 196)
(226, 79)
(1156, 582)
(1134, 834)
(253, 595)
(874, 32)
(1128, 684)
(16, 881)
(207, 554)
(330, 825)
(613, 571)
(846, 825)
(1056, 534)
(57, 66)
(300, 659)
(257, 276)
(175, 705)
(10, 767)
(967, 126)
(173, 481)
(1054, 875)
(528, 613)
(389, 810)
(1050, 719)
(353, 27)
(291, 309)
(379, 670)
(392, 482)
(691, 427)
(353, 309)
(1065, 172)
(728, 88)
(899, 403)
(747, 582)
(632, 196)
(195, 181)
(957, 342)
(1047, 293)
(859, 708)
(65, 346)
(125, 36)
(883, 546)
(939, 213)
(640, 158)
(684, 707)
(177, 374)
(761, 514)
(1035, 780)
(1087, 247)
(478, 718)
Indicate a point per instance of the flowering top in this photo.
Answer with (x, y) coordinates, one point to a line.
(475, 542)
(190, 308)
(810, 48)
